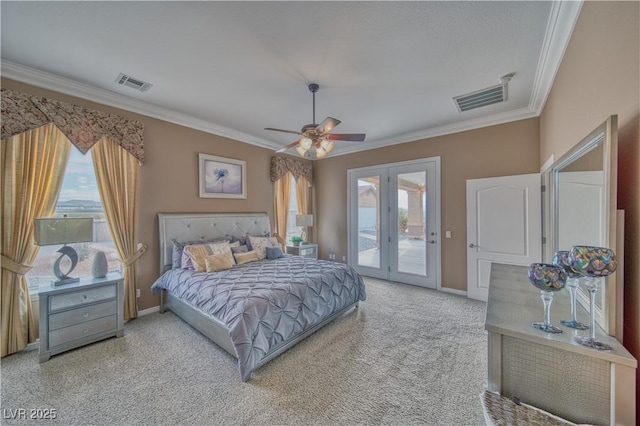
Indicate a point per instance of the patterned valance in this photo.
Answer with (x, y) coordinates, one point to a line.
(281, 165)
(83, 126)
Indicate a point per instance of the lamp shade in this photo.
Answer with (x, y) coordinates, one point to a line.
(304, 220)
(50, 231)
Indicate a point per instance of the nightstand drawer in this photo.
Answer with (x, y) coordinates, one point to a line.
(83, 314)
(78, 331)
(77, 298)
(310, 251)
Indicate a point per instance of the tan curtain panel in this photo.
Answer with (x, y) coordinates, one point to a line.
(117, 176)
(280, 166)
(33, 165)
(302, 195)
(83, 126)
(283, 198)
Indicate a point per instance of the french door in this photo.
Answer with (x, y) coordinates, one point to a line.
(394, 221)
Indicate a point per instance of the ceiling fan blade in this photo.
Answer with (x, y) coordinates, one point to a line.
(328, 124)
(291, 145)
(348, 137)
(284, 131)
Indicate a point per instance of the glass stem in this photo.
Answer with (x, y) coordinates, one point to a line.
(546, 297)
(572, 284)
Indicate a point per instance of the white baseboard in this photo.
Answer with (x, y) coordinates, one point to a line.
(454, 291)
(149, 311)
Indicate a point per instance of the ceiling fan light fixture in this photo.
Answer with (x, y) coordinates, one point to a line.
(323, 148)
(306, 143)
(327, 145)
(321, 153)
(301, 151)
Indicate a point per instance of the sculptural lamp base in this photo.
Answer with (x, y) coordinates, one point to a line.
(592, 343)
(63, 281)
(63, 277)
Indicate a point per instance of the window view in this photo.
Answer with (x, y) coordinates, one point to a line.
(292, 229)
(79, 197)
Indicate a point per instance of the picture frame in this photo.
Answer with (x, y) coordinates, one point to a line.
(220, 177)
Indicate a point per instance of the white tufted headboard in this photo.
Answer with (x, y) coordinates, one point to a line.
(205, 226)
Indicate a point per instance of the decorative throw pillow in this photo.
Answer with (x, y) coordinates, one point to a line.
(219, 262)
(259, 245)
(274, 253)
(240, 249)
(197, 253)
(247, 257)
(178, 250)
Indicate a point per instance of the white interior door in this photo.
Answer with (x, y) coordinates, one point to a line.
(504, 225)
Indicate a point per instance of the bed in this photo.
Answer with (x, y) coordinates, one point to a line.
(257, 310)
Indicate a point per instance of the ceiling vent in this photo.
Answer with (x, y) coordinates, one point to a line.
(134, 83)
(490, 95)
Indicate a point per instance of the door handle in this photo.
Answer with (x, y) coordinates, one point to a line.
(473, 246)
(431, 241)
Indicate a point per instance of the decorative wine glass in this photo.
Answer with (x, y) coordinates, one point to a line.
(561, 259)
(549, 279)
(593, 263)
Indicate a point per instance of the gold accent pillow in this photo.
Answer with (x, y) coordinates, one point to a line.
(250, 256)
(219, 262)
(199, 252)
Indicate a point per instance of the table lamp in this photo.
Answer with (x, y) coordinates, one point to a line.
(304, 221)
(52, 231)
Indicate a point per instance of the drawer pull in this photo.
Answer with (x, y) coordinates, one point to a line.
(85, 296)
(85, 315)
(85, 331)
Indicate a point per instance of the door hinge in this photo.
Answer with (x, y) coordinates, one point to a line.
(543, 188)
(388, 179)
(389, 209)
(389, 268)
(544, 240)
(389, 239)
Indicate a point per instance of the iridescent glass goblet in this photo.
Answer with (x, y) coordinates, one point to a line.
(561, 259)
(593, 263)
(549, 279)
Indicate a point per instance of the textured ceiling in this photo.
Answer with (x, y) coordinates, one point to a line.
(388, 69)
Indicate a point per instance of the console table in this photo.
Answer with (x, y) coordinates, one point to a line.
(551, 371)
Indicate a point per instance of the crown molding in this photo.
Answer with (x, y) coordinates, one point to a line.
(562, 21)
(448, 129)
(45, 80)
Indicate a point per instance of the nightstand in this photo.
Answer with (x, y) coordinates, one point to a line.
(305, 250)
(73, 315)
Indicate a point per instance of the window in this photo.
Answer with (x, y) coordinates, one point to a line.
(79, 197)
(292, 229)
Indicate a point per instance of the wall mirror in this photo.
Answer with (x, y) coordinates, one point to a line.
(582, 203)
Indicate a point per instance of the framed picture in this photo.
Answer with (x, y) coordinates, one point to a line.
(221, 177)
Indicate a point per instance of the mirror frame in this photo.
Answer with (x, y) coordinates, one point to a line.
(607, 135)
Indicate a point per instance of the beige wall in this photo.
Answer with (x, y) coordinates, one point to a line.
(507, 149)
(168, 180)
(600, 76)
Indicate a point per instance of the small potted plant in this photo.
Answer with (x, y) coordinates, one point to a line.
(296, 240)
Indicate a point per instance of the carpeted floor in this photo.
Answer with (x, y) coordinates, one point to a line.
(407, 356)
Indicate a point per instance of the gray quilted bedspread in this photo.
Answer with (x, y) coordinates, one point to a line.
(267, 302)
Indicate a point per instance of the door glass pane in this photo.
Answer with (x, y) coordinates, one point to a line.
(369, 221)
(411, 226)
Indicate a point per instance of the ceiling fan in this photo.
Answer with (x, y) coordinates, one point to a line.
(317, 136)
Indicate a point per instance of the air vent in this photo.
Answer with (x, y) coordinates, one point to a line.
(134, 83)
(490, 95)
